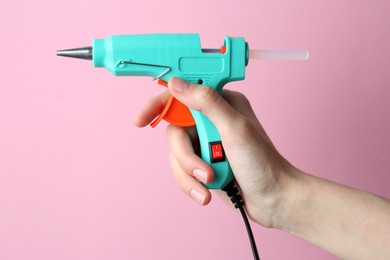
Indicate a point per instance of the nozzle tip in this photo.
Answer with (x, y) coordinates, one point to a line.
(78, 53)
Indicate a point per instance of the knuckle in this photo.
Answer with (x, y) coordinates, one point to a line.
(173, 133)
(169, 132)
(188, 161)
(239, 100)
(170, 128)
(208, 99)
(244, 127)
(160, 99)
(209, 95)
(242, 99)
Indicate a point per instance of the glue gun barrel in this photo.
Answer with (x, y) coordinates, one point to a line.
(84, 53)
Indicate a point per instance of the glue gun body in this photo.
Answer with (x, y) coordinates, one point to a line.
(163, 56)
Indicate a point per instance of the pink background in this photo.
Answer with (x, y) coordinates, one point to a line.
(79, 181)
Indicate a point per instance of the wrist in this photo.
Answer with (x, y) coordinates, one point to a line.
(298, 199)
(287, 197)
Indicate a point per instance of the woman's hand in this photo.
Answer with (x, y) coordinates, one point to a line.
(349, 223)
(256, 164)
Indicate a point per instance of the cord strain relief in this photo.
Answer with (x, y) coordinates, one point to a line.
(234, 194)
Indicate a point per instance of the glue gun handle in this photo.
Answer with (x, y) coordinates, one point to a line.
(212, 151)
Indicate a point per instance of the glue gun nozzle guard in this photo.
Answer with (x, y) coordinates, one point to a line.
(78, 53)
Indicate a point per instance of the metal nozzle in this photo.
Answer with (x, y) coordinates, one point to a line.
(79, 53)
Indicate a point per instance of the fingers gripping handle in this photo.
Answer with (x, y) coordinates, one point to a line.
(211, 147)
(212, 151)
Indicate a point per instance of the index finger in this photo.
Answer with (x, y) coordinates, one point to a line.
(152, 108)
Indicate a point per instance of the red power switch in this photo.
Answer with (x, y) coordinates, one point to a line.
(216, 152)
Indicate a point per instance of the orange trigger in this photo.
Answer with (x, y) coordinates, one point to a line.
(174, 112)
(162, 82)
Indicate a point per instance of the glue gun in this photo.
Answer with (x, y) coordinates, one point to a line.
(163, 56)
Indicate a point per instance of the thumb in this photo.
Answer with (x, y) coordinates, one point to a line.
(205, 100)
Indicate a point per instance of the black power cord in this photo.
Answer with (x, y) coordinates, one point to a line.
(236, 198)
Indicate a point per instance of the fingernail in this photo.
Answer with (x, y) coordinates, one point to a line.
(198, 196)
(200, 175)
(180, 85)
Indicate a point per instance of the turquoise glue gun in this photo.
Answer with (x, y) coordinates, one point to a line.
(163, 56)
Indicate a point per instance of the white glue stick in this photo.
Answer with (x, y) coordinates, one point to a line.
(279, 54)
